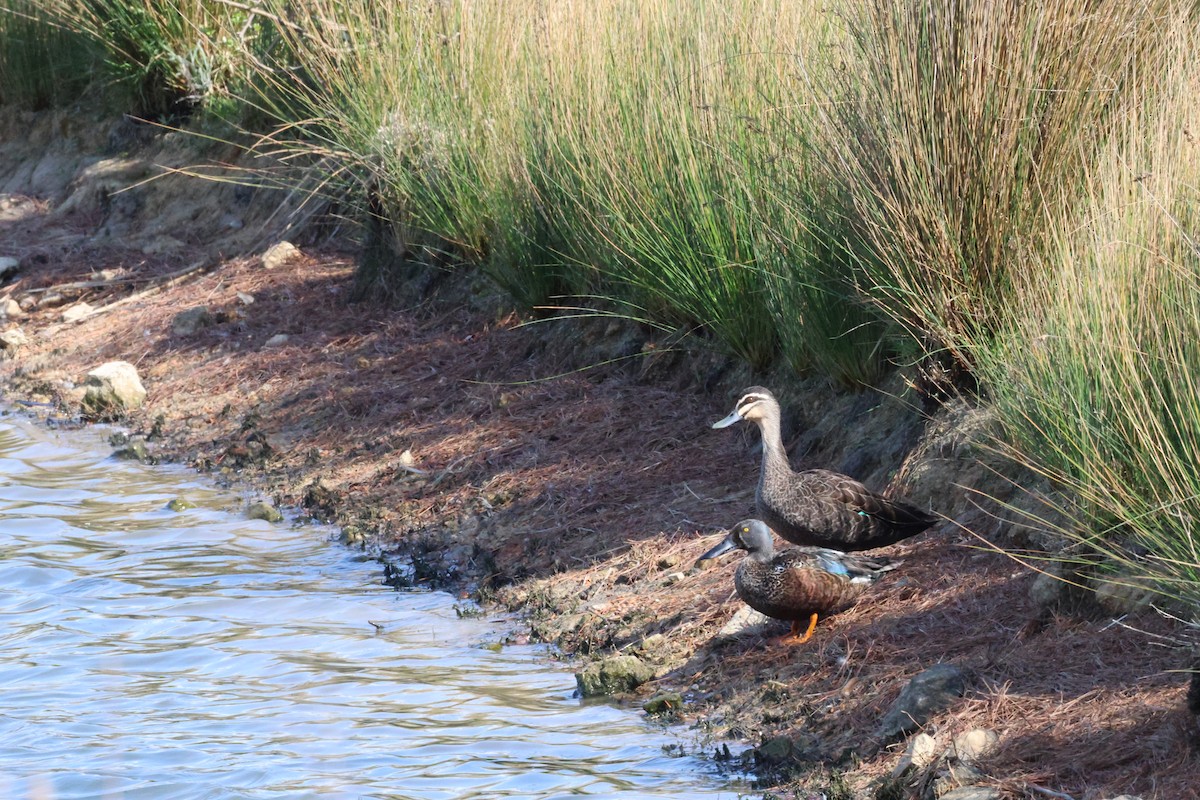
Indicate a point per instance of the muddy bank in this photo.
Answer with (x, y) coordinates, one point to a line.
(567, 471)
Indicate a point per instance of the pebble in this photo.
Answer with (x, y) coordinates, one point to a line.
(973, 745)
(264, 511)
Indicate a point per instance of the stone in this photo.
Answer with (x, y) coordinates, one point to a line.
(11, 309)
(78, 311)
(134, 450)
(973, 745)
(245, 298)
(190, 320)
(264, 511)
(777, 750)
(921, 752)
(179, 504)
(931, 691)
(161, 245)
(663, 703)
(279, 254)
(745, 622)
(9, 267)
(972, 793)
(112, 389)
(278, 340)
(1123, 594)
(613, 675)
(956, 775)
(13, 340)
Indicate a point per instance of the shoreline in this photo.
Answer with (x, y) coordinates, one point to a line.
(505, 464)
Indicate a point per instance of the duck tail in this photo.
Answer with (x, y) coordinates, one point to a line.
(907, 518)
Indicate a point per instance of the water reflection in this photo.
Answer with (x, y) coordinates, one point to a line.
(151, 654)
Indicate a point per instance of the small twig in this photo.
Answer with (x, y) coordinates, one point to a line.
(441, 476)
(1049, 792)
(166, 282)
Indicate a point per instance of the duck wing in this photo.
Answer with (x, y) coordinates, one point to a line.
(851, 496)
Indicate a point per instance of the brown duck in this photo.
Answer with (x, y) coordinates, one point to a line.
(819, 507)
(797, 584)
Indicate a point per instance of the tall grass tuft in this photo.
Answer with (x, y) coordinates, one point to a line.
(1096, 373)
(42, 62)
(648, 154)
(167, 56)
(959, 129)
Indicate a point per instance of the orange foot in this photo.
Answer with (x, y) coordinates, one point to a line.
(794, 637)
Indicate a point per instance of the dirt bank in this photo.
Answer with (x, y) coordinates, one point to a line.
(510, 461)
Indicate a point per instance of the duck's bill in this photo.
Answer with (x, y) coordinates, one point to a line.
(725, 423)
(724, 547)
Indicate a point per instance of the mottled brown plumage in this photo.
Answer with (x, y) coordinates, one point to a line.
(796, 584)
(819, 507)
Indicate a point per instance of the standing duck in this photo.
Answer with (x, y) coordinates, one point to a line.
(818, 507)
(799, 583)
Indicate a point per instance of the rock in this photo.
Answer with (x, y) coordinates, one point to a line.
(51, 299)
(777, 750)
(613, 675)
(745, 622)
(134, 450)
(11, 341)
(1123, 594)
(278, 340)
(112, 389)
(187, 322)
(160, 245)
(973, 745)
(279, 254)
(922, 751)
(972, 793)
(179, 504)
(956, 775)
(245, 298)
(673, 578)
(77, 312)
(27, 302)
(264, 511)
(931, 691)
(1062, 586)
(663, 703)
(9, 267)
(10, 309)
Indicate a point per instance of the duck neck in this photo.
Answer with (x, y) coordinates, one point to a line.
(774, 458)
(762, 555)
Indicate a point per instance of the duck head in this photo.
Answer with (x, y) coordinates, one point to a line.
(751, 535)
(755, 404)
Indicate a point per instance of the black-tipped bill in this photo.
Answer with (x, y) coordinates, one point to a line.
(724, 547)
(732, 418)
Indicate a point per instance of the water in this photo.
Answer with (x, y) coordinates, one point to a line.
(151, 654)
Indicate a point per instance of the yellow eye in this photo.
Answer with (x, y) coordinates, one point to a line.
(745, 530)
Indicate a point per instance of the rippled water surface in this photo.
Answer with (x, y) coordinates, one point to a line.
(151, 654)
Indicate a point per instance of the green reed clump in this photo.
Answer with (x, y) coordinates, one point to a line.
(1095, 374)
(636, 152)
(958, 129)
(42, 63)
(166, 56)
